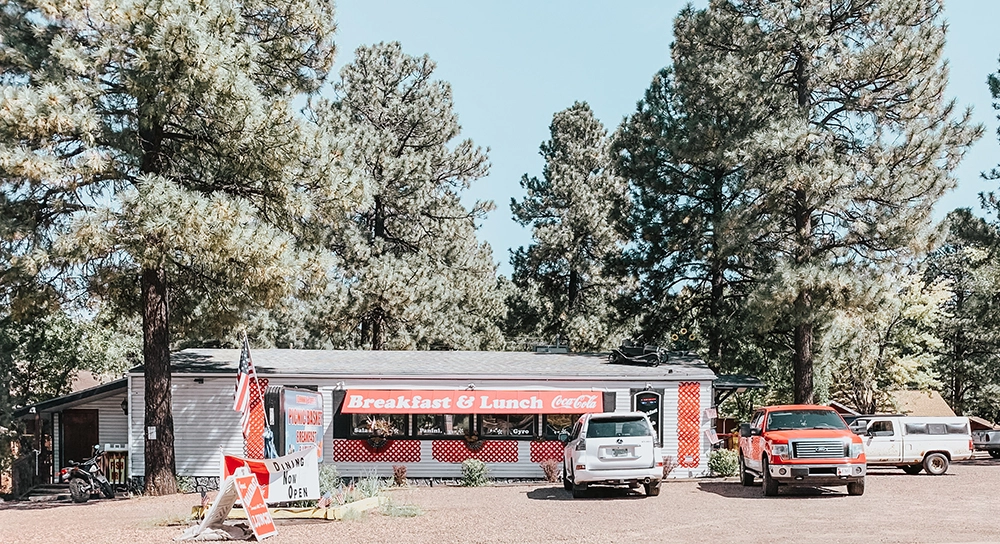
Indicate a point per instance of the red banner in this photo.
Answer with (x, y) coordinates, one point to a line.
(380, 401)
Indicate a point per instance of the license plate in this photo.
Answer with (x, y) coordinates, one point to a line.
(843, 471)
(619, 452)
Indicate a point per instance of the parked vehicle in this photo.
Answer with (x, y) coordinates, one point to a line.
(613, 448)
(915, 443)
(801, 444)
(86, 478)
(987, 440)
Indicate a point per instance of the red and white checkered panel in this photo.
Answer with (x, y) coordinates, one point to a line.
(492, 451)
(688, 424)
(359, 451)
(253, 442)
(543, 451)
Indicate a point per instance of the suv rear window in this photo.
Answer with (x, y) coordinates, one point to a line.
(618, 426)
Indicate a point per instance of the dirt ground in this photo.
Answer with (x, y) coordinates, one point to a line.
(961, 506)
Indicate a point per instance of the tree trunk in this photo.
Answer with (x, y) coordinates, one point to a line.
(802, 361)
(159, 421)
(717, 278)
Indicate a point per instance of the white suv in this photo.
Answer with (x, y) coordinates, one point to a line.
(616, 448)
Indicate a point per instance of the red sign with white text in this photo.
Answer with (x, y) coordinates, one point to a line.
(253, 503)
(380, 401)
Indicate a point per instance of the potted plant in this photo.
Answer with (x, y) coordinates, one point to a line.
(472, 440)
(381, 430)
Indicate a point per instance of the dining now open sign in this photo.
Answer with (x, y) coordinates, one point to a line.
(382, 401)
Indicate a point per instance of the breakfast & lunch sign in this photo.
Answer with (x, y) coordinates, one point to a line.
(389, 401)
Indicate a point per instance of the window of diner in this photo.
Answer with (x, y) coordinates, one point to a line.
(441, 424)
(508, 426)
(553, 424)
(388, 424)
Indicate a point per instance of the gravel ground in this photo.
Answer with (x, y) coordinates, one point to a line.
(961, 506)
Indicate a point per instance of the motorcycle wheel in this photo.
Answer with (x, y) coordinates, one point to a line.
(79, 490)
(107, 490)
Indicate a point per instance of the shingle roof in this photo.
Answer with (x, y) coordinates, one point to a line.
(432, 364)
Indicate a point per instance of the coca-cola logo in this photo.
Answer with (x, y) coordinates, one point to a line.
(582, 402)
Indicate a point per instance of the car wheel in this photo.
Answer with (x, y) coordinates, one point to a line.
(995, 454)
(579, 490)
(912, 469)
(652, 489)
(745, 477)
(936, 464)
(770, 484)
(567, 483)
(856, 488)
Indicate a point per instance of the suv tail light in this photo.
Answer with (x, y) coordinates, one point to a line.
(581, 445)
(972, 447)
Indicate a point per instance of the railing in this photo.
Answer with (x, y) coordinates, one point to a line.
(23, 473)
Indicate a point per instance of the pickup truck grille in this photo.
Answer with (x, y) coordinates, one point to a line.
(817, 449)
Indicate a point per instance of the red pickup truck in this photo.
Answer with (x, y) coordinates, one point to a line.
(801, 444)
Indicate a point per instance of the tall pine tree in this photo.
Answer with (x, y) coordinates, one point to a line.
(158, 141)
(563, 277)
(415, 274)
(860, 145)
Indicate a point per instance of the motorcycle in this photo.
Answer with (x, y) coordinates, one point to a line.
(86, 478)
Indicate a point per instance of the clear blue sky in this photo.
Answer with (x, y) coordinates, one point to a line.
(513, 64)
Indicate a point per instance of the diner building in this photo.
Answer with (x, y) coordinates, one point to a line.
(426, 410)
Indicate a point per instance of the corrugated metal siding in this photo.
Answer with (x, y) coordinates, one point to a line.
(204, 424)
(623, 400)
(112, 423)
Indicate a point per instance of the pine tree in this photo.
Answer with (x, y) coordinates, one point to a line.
(158, 140)
(968, 365)
(415, 274)
(860, 145)
(563, 276)
(695, 230)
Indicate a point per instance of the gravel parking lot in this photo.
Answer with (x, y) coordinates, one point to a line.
(961, 506)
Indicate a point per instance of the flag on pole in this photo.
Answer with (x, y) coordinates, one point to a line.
(249, 401)
(243, 381)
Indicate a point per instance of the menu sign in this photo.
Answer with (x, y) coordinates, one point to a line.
(380, 401)
(303, 421)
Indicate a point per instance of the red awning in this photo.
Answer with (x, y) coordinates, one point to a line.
(381, 401)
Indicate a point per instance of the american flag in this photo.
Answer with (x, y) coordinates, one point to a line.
(243, 377)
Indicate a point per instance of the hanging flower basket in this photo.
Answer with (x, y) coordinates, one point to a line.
(377, 442)
(473, 442)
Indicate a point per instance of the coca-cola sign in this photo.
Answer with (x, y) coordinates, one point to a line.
(383, 401)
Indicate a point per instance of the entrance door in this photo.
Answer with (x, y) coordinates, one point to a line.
(80, 434)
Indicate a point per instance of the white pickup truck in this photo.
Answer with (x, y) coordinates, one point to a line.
(915, 443)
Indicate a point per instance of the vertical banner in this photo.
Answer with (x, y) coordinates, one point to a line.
(689, 424)
(303, 421)
(253, 503)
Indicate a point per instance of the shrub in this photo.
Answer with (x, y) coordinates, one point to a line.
(474, 473)
(723, 462)
(185, 484)
(394, 510)
(551, 469)
(370, 485)
(399, 475)
(329, 479)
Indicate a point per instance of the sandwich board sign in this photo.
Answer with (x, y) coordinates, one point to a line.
(253, 504)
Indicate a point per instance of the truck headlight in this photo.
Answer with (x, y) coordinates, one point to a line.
(857, 450)
(780, 450)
